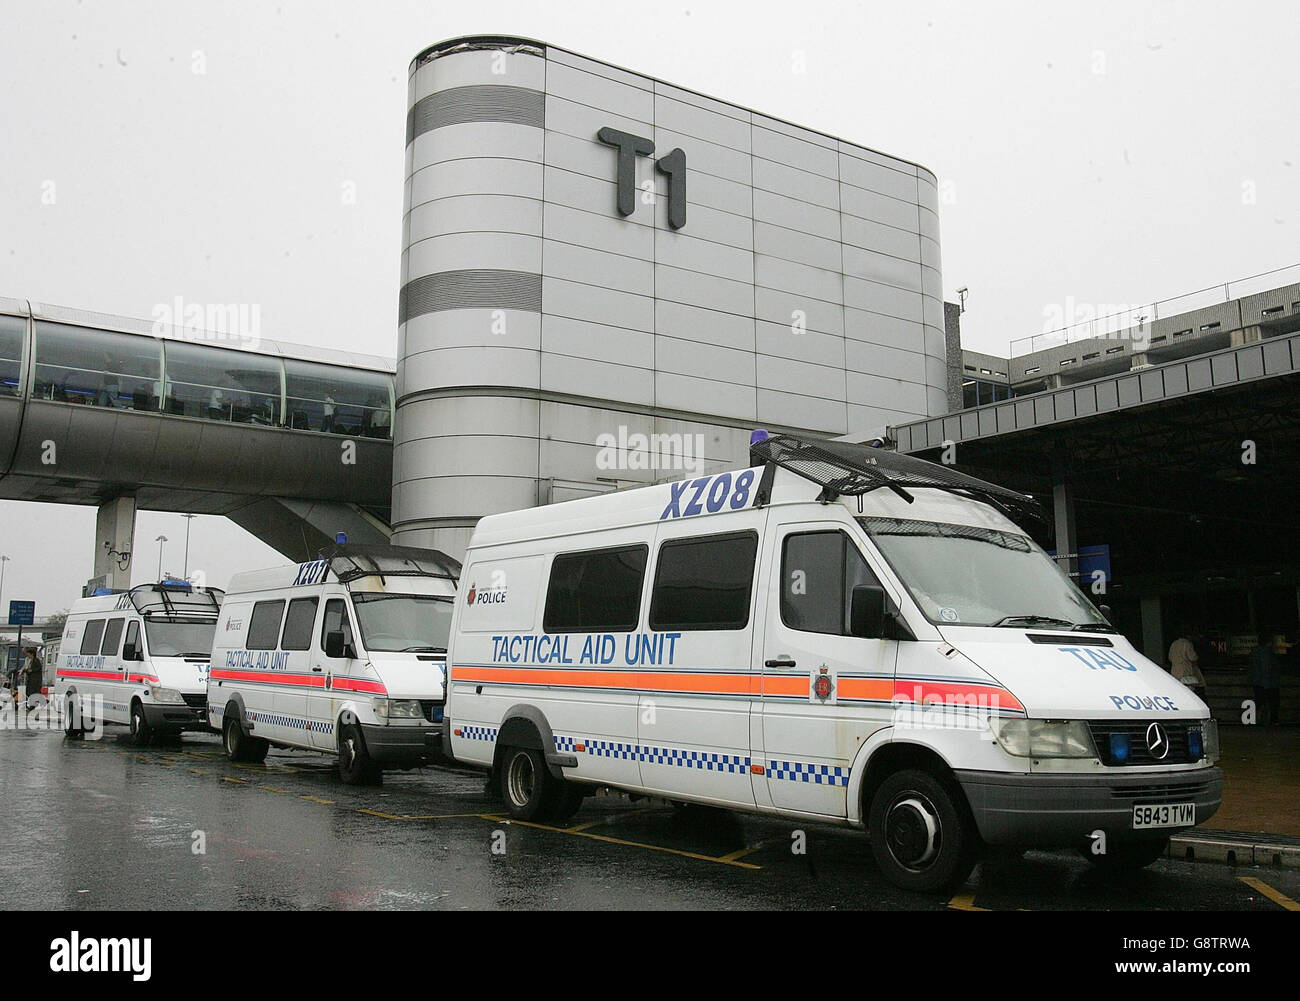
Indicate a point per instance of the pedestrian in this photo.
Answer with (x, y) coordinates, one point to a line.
(1266, 678)
(327, 420)
(33, 676)
(1184, 664)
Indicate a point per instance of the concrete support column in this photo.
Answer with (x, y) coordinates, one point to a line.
(115, 542)
(1067, 541)
(1153, 634)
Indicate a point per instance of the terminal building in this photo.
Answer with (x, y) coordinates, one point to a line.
(608, 280)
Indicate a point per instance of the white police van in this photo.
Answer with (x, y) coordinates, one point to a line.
(839, 634)
(139, 658)
(344, 654)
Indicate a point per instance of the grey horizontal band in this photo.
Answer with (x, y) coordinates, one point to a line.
(474, 288)
(476, 103)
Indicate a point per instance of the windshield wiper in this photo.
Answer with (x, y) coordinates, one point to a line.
(423, 649)
(1015, 620)
(1093, 627)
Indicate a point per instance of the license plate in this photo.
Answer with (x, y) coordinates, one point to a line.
(1167, 815)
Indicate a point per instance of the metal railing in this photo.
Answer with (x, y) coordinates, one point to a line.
(1113, 323)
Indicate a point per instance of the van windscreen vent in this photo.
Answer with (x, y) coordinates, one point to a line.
(1068, 639)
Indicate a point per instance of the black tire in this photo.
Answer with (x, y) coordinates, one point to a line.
(529, 789)
(240, 747)
(919, 834)
(1127, 856)
(141, 731)
(356, 767)
(71, 711)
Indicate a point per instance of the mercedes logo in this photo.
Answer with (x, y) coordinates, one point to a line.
(1157, 741)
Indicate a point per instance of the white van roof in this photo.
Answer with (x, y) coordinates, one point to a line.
(645, 505)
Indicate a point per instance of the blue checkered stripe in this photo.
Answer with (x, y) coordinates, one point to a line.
(793, 771)
(479, 732)
(292, 722)
(798, 771)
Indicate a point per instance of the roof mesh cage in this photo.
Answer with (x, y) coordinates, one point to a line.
(176, 599)
(352, 561)
(848, 468)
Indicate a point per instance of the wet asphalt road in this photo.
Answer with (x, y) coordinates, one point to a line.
(103, 825)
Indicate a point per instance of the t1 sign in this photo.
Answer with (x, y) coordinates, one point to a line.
(672, 166)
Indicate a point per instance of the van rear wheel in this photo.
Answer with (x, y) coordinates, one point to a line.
(918, 834)
(527, 785)
(240, 747)
(73, 727)
(356, 767)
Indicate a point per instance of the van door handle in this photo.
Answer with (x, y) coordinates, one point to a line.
(779, 662)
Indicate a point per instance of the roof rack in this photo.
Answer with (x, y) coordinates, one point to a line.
(351, 561)
(848, 468)
(176, 598)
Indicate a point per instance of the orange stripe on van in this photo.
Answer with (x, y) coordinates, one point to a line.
(955, 693)
(873, 689)
(659, 681)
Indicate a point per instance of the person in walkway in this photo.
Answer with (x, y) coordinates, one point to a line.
(1266, 678)
(1184, 664)
(33, 676)
(327, 419)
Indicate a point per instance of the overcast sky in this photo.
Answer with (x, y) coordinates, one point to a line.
(1111, 153)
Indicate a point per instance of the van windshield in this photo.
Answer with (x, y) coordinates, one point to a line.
(403, 623)
(964, 575)
(180, 638)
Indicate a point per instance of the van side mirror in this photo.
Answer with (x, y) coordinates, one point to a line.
(132, 651)
(867, 611)
(1105, 613)
(335, 646)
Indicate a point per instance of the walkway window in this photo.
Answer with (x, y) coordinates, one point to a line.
(338, 400)
(12, 329)
(97, 367)
(222, 385)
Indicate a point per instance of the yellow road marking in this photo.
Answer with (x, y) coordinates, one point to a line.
(227, 778)
(197, 771)
(377, 813)
(317, 799)
(965, 902)
(741, 853)
(1277, 896)
(621, 841)
(273, 789)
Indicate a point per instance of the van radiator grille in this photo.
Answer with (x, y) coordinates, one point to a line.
(1139, 753)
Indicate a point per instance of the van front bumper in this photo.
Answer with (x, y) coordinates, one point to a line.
(402, 745)
(176, 717)
(1054, 810)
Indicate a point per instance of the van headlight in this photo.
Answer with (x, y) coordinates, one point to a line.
(1043, 738)
(397, 708)
(161, 694)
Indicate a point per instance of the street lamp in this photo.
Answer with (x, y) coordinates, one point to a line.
(160, 540)
(188, 519)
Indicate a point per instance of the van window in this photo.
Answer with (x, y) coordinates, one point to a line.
(704, 582)
(91, 637)
(335, 620)
(264, 626)
(298, 624)
(595, 592)
(133, 635)
(818, 573)
(112, 638)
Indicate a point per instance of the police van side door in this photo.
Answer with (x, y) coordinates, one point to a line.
(697, 685)
(328, 700)
(824, 692)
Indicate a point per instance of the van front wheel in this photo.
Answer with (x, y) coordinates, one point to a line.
(356, 767)
(141, 731)
(917, 833)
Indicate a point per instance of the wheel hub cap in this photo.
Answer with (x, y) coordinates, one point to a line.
(912, 831)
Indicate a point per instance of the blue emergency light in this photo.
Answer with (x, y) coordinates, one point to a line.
(757, 436)
(1195, 746)
(1119, 748)
(341, 538)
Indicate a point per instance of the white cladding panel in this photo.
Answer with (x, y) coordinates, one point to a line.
(536, 322)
